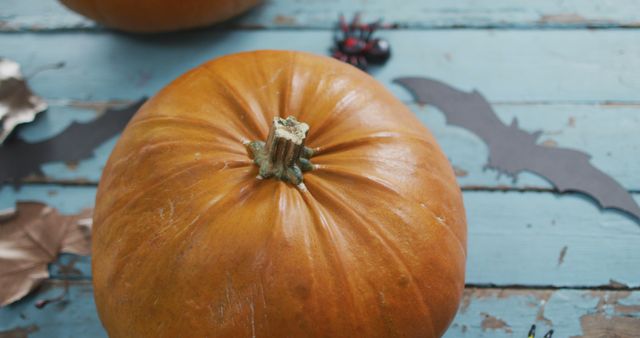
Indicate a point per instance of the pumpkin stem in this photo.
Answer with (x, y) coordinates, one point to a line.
(283, 155)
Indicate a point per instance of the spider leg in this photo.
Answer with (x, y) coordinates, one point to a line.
(355, 22)
(340, 55)
(353, 60)
(532, 332)
(355, 26)
(362, 29)
(372, 28)
(362, 62)
(342, 23)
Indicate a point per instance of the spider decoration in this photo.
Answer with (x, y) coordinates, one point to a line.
(532, 333)
(357, 46)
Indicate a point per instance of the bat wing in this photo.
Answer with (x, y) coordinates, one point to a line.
(469, 110)
(19, 159)
(78, 140)
(513, 150)
(571, 170)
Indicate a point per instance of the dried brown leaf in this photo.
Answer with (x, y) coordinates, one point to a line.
(18, 104)
(32, 239)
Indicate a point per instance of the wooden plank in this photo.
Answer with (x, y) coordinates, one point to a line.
(530, 239)
(75, 317)
(71, 267)
(500, 313)
(514, 66)
(546, 239)
(494, 313)
(39, 15)
(68, 200)
(593, 129)
(590, 128)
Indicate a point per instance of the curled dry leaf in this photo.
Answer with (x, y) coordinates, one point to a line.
(32, 239)
(18, 104)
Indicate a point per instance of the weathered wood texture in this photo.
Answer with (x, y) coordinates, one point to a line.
(579, 86)
(505, 65)
(555, 89)
(586, 127)
(528, 239)
(39, 15)
(494, 313)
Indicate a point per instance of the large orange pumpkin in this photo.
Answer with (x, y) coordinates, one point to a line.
(200, 232)
(148, 16)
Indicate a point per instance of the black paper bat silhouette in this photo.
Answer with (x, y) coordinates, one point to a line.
(513, 150)
(19, 159)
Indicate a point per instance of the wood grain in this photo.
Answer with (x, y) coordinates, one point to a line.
(514, 238)
(591, 128)
(45, 15)
(505, 65)
(484, 313)
(580, 86)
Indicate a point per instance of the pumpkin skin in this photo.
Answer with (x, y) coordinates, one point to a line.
(188, 242)
(150, 16)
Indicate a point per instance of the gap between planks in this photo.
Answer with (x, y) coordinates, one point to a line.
(46, 181)
(7, 29)
(613, 286)
(44, 16)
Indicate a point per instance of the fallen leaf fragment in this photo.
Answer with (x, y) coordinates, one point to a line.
(32, 239)
(18, 104)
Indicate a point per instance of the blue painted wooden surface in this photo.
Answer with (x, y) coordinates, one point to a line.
(580, 86)
(518, 243)
(484, 313)
(506, 65)
(41, 15)
(587, 127)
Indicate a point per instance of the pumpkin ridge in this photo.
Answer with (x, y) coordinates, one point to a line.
(387, 186)
(372, 246)
(342, 202)
(127, 198)
(223, 200)
(203, 147)
(317, 128)
(133, 195)
(207, 150)
(376, 232)
(245, 188)
(304, 223)
(222, 203)
(268, 77)
(364, 139)
(255, 129)
(324, 126)
(287, 91)
(330, 161)
(186, 121)
(320, 85)
(322, 229)
(327, 160)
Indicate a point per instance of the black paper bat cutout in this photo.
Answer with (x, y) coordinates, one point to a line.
(19, 159)
(513, 150)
